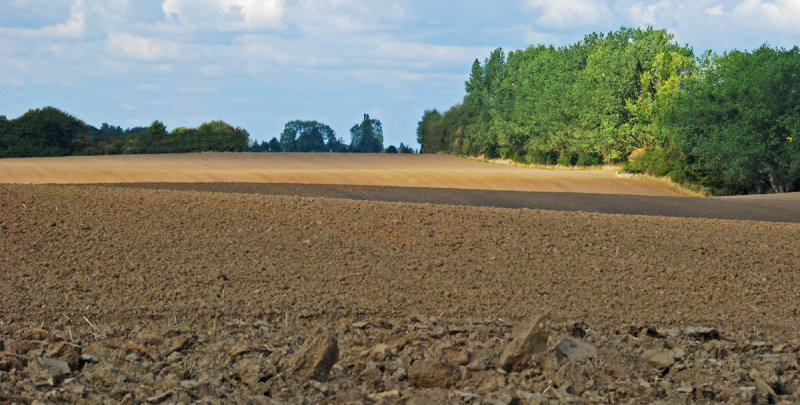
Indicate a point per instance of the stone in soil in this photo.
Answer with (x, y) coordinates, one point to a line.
(528, 339)
(571, 349)
(431, 373)
(316, 357)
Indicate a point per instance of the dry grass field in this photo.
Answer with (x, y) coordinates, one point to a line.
(434, 171)
(256, 278)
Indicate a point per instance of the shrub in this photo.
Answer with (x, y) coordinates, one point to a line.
(651, 160)
(568, 158)
(589, 159)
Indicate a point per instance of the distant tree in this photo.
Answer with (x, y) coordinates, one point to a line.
(307, 136)
(367, 137)
(154, 138)
(255, 146)
(429, 131)
(391, 149)
(274, 145)
(5, 135)
(405, 149)
(336, 145)
(41, 132)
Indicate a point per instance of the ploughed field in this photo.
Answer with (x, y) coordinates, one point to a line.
(387, 282)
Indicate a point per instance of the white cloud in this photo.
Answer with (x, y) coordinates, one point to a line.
(226, 15)
(141, 48)
(783, 15)
(74, 27)
(326, 18)
(715, 11)
(429, 54)
(564, 14)
(651, 14)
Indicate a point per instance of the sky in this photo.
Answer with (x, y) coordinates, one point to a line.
(258, 64)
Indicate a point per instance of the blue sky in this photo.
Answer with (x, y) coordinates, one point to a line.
(260, 63)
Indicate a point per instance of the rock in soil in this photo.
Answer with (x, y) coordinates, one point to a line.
(431, 373)
(528, 339)
(316, 357)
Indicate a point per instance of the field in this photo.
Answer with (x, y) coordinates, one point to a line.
(224, 278)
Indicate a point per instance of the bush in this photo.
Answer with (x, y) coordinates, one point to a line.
(589, 159)
(652, 160)
(568, 158)
(549, 157)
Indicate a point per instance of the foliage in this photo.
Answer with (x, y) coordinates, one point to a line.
(728, 122)
(274, 145)
(40, 132)
(367, 137)
(309, 136)
(51, 132)
(735, 125)
(405, 149)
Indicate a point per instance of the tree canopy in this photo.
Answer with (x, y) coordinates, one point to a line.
(310, 136)
(367, 136)
(725, 121)
(51, 132)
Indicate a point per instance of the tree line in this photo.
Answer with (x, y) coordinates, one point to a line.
(313, 136)
(728, 122)
(51, 132)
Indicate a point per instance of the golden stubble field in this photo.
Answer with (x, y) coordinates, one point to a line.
(435, 171)
(215, 293)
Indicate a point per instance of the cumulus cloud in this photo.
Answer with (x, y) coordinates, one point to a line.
(564, 14)
(141, 48)
(336, 17)
(226, 15)
(783, 15)
(427, 54)
(651, 14)
(715, 11)
(74, 27)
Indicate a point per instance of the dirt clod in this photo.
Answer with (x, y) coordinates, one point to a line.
(316, 357)
(529, 338)
(128, 281)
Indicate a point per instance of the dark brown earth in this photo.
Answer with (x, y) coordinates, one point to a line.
(140, 295)
(775, 208)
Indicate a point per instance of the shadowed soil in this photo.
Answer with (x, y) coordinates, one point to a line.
(161, 286)
(775, 208)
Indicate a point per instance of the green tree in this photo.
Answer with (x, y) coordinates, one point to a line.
(42, 132)
(308, 136)
(154, 138)
(403, 148)
(274, 145)
(735, 126)
(429, 131)
(367, 136)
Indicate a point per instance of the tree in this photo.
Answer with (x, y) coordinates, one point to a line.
(391, 149)
(153, 139)
(41, 132)
(429, 132)
(308, 136)
(736, 125)
(274, 145)
(6, 139)
(404, 149)
(367, 137)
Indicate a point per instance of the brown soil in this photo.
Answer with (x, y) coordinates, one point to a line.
(153, 295)
(775, 207)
